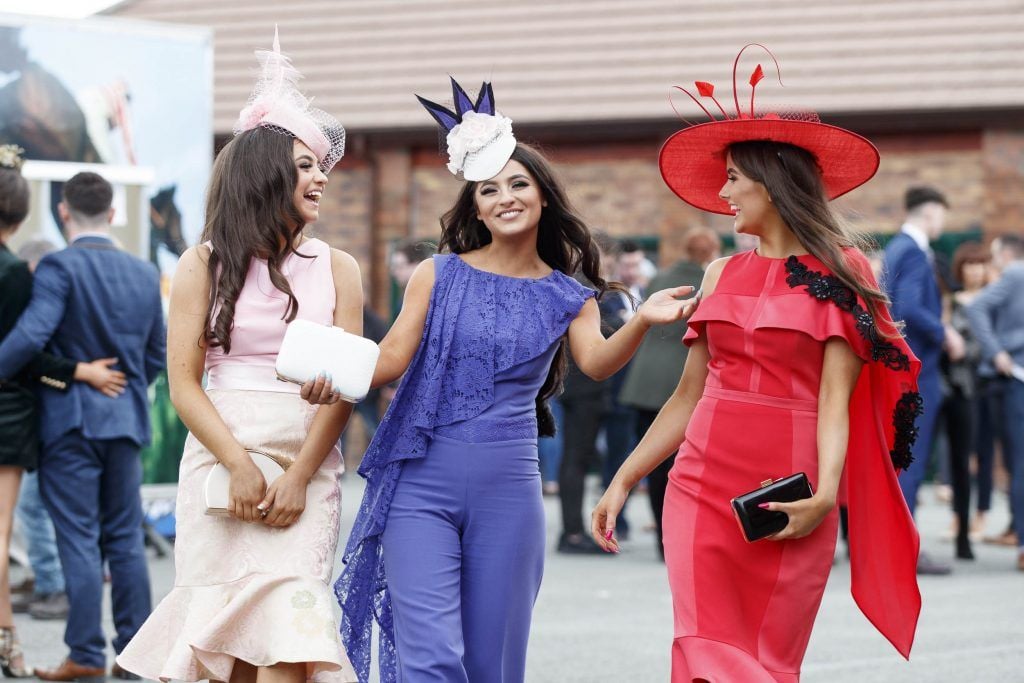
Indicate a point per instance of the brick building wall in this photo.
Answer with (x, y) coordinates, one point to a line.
(381, 196)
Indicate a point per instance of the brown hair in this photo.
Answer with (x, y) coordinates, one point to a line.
(415, 250)
(969, 252)
(563, 242)
(88, 194)
(794, 184)
(701, 244)
(250, 213)
(14, 198)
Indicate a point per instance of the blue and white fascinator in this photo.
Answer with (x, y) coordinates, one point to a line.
(480, 140)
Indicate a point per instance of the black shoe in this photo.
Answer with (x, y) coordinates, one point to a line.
(927, 566)
(50, 606)
(963, 548)
(579, 544)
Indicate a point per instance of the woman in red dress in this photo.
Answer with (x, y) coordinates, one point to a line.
(794, 366)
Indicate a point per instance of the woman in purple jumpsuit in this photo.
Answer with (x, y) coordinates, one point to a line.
(447, 551)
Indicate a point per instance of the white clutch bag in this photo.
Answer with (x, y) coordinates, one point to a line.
(218, 479)
(309, 348)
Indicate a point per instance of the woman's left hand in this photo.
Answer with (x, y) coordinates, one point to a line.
(319, 390)
(804, 516)
(665, 307)
(285, 500)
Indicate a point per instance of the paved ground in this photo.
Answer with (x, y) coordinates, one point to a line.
(609, 618)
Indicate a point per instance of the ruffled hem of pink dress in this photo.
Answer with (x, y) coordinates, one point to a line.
(702, 659)
(198, 632)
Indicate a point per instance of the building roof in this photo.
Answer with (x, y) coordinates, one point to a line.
(591, 61)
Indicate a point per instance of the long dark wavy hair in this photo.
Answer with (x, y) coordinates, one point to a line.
(793, 180)
(250, 213)
(563, 242)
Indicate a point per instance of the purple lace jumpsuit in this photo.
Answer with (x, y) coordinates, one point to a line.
(448, 547)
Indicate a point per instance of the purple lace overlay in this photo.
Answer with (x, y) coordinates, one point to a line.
(478, 325)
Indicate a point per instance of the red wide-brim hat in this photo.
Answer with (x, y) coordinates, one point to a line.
(692, 161)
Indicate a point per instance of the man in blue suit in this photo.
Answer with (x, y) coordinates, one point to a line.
(910, 281)
(93, 300)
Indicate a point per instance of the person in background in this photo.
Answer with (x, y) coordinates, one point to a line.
(19, 424)
(997, 317)
(406, 256)
(619, 421)
(969, 268)
(45, 598)
(91, 300)
(912, 286)
(584, 401)
(655, 370)
(550, 449)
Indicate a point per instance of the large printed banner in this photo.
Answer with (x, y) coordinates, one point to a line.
(133, 96)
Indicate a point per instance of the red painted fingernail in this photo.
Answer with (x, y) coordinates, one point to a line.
(608, 536)
(763, 505)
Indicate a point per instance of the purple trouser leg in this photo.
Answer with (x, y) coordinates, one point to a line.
(464, 556)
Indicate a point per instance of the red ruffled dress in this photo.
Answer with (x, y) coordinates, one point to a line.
(744, 611)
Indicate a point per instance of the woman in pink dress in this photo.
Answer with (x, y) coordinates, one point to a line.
(250, 600)
(794, 366)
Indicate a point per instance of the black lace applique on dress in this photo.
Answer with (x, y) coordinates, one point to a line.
(829, 288)
(910, 404)
(908, 408)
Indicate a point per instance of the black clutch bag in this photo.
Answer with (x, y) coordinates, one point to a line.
(756, 522)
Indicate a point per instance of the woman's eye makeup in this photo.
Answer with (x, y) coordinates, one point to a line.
(518, 185)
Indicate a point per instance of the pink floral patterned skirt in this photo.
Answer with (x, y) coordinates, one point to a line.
(246, 591)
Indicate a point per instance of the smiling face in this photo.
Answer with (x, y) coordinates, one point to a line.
(310, 185)
(747, 198)
(510, 203)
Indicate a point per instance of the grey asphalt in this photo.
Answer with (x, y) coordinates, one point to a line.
(609, 618)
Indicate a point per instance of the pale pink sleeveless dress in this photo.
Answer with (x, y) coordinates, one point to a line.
(245, 590)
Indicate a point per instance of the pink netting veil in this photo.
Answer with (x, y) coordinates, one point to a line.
(277, 104)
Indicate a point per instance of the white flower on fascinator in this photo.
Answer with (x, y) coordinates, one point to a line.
(479, 138)
(474, 133)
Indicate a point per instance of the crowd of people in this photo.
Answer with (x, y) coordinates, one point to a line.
(528, 352)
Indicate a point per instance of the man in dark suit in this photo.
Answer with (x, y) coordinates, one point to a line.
(910, 281)
(93, 300)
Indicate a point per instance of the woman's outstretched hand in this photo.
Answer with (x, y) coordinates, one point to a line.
(804, 516)
(319, 390)
(602, 519)
(664, 306)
